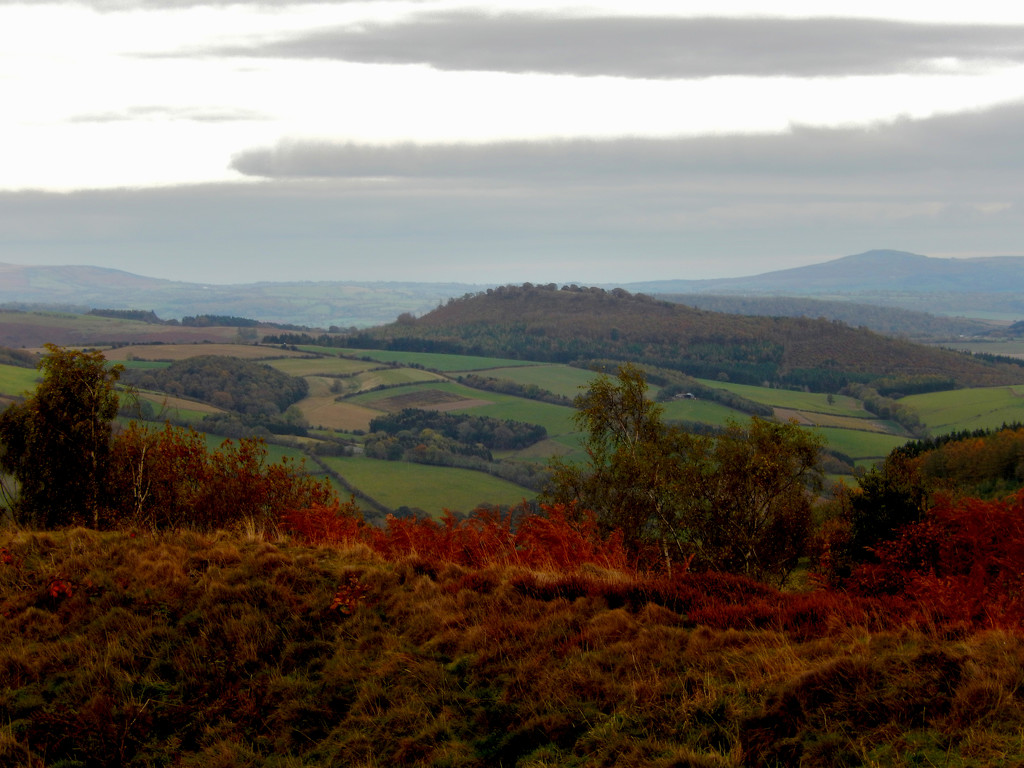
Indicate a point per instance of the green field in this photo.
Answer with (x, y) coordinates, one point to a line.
(815, 402)
(980, 408)
(82, 326)
(421, 393)
(860, 445)
(178, 415)
(432, 489)
(436, 362)
(703, 411)
(15, 380)
(393, 377)
(366, 387)
(556, 419)
(564, 380)
(1009, 348)
(144, 365)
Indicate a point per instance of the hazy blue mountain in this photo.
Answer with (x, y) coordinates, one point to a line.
(318, 304)
(986, 288)
(870, 272)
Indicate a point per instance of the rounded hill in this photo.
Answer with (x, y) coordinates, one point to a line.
(574, 324)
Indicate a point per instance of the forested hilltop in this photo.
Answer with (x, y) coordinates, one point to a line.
(891, 321)
(575, 324)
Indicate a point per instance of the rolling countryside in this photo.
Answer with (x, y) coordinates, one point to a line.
(348, 386)
(443, 610)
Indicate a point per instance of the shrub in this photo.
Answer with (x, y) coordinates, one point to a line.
(962, 564)
(167, 478)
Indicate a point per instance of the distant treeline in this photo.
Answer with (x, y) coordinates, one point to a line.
(205, 321)
(984, 463)
(888, 408)
(570, 324)
(456, 440)
(193, 321)
(509, 387)
(492, 434)
(17, 357)
(673, 384)
(891, 321)
(140, 315)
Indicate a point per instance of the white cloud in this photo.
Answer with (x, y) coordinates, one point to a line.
(576, 160)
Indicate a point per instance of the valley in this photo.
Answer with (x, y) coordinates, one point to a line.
(348, 387)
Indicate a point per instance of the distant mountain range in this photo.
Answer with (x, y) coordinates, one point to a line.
(985, 288)
(316, 304)
(870, 272)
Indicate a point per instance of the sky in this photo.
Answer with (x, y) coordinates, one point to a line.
(506, 141)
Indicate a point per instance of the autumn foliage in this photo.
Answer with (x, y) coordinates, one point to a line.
(959, 569)
(168, 478)
(963, 564)
(559, 539)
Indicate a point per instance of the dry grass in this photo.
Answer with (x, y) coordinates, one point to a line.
(326, 411)
(222, 650)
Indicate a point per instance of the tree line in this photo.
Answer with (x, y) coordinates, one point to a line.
(491, 433)
(456, 440)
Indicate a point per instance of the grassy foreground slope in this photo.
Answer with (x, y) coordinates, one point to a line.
(217, 650)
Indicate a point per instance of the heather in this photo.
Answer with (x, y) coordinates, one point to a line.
(477, 643)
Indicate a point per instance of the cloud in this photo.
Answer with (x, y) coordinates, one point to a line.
(984, 143)
(656, 48)
(587, 211)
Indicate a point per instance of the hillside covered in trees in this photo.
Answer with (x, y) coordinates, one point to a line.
(574, 324)
(891, 321)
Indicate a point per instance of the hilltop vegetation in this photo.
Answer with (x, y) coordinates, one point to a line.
(891, 321)
(544, 323)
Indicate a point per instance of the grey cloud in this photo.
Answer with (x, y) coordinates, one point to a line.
(303, 230)
(613, 211)
(965, 143)
(654, 48)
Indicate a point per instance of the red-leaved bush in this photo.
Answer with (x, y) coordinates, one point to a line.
(558, 539)
(961, 565)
